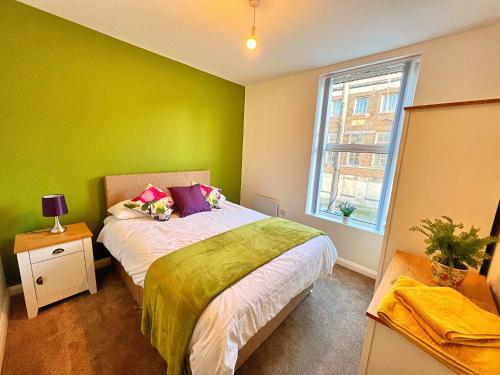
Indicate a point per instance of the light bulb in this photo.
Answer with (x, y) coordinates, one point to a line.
(251, 42)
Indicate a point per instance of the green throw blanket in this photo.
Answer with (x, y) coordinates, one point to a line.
(178, 286)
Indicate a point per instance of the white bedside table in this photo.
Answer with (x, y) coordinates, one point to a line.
(55, 266)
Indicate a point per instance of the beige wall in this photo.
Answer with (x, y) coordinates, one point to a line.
(451, 176)
(280, 114)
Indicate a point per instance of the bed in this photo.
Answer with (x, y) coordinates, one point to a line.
(238, 320)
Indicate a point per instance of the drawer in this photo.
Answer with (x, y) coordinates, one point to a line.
(59, 278)
(55, 251)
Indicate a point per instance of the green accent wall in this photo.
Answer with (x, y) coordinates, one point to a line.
(76, 105)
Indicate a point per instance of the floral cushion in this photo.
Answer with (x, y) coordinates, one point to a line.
(212, 194)
(153, 202)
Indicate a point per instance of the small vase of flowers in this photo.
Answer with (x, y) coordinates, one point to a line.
(452, 254)
(347, 210)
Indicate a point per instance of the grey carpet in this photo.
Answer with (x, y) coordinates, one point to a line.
(99, 334)
(323, 335)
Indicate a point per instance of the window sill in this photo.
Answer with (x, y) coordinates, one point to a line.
(353, 223)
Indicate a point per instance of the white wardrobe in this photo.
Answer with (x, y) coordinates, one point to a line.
(448, 164)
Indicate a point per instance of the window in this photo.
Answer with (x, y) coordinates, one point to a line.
(352, 159)
(379, 160)
(388, 103)
(356, 138)
(337, 108)
(355, 162)
(361, 105)
(332, 138)
(382, 138)
(329, 157)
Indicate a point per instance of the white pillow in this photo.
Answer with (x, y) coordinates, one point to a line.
(123, 213)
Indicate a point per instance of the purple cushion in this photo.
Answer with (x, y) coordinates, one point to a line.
(189, 199)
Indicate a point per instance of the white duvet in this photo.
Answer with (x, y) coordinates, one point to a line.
(234, 316)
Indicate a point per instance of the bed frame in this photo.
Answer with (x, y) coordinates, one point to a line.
(121, 187)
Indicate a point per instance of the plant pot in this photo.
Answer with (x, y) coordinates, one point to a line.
(447, 276)
(345, 219)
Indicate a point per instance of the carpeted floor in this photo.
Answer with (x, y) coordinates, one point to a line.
(100, 334)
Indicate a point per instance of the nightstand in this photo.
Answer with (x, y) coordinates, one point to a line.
(55, 266)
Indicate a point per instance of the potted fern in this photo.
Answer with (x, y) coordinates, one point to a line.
(347, 210)
(452, 254)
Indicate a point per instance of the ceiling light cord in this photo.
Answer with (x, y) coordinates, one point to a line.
(252, 39)
(253, 27)
(252, 30)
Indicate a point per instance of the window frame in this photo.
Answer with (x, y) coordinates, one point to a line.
(382, 133)
(372, 164)
(356, 99)
(353, 155)
(355, 133)
(328, 138)
(334, 103)
(409, 66)
(383, 103)
(327, 155)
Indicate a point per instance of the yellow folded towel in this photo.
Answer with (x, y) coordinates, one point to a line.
(449, 317)
(463, 359)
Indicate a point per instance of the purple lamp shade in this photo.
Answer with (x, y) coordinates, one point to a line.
(54, 205)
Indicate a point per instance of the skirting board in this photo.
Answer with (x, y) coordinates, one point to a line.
(99, 263)
(356, 267)
(103, 262)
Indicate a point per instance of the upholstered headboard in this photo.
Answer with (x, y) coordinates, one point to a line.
(120, 187)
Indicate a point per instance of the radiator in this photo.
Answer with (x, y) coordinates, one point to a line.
(265, 205)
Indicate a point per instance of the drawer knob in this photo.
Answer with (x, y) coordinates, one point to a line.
(58, 251)
(39, 281)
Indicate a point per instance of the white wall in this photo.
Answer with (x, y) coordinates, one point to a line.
(280, 114)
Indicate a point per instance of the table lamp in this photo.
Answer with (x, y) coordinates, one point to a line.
(54, 205)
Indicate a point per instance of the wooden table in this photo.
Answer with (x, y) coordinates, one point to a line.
(418, 267)
(42, 238)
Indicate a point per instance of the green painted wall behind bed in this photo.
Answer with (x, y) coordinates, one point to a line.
(76, 105)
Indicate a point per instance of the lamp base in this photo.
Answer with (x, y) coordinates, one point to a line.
(58, 228)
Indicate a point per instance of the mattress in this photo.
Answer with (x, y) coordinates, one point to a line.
(236, 315)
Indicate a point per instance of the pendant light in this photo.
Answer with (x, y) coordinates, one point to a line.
(252, 39)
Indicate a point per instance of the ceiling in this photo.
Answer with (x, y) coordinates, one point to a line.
(294, 35)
